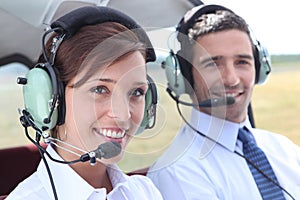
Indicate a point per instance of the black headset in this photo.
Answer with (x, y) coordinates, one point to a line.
(178, 69)
(44, 94)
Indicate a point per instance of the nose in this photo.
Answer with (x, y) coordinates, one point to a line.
(119, 108)
(229, 75)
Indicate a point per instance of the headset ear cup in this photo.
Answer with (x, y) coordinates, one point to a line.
(264, 64)
(37, 93)
(149, 118)
(174, 75)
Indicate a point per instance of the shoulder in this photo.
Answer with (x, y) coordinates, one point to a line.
(30, 188)
(142, 187)
(173, 171)
(274, 142)
(183, 148)
(265, 135)
(140, 181)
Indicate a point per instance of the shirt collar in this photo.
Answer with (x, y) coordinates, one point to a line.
(220, 130)
(116, 175)
(67, 181)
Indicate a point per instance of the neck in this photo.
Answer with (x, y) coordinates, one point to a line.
(96, 175)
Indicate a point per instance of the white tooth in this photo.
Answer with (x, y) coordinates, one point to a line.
(101, 131)
(108, 133)
(114, 134)
(104, 132)
(119, 135)
(231, 95)
(123, 133)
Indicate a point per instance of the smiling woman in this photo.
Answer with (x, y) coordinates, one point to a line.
(109, 98)
(87, 97)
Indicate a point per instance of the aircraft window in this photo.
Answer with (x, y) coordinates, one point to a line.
(12, 133)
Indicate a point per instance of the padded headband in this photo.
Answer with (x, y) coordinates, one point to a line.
(73, 21)
(185, 24)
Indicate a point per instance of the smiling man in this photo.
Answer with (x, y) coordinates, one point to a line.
(223, 71)
(218, 154)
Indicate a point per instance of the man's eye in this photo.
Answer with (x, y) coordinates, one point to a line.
(242, 62)
(99, 90)
(210, 64)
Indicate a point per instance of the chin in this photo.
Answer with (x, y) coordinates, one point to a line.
(236, 117)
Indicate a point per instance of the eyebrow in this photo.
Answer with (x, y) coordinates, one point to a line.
(247, 56)
(108, 80)
(215, 58)
(209, 59)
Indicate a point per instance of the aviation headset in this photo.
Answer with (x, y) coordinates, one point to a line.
(179, 70)
(44, 94)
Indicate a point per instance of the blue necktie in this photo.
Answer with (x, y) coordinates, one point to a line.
(267, 189)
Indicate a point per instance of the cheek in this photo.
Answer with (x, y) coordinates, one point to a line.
(248, 77)
(78, 109)
(207, 76)
(203, 81)
(69, 97)
(137, 111)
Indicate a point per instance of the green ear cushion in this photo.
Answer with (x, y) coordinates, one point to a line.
(150, 107)
(264, 62)
(174, 75)
(148, 104)
(37, 95)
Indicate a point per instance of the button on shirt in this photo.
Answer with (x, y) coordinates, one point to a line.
(69, 185)
(193, 167)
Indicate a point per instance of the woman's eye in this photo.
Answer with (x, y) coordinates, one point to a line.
(138, 92)
(99, 90)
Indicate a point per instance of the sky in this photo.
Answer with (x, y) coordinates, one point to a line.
(276, 24)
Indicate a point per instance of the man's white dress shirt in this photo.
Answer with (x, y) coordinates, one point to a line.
(193, 167)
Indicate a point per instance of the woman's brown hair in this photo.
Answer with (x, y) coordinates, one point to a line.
(103, 43)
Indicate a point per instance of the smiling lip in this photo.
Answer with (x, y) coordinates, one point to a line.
(233, 94)
(111, 133)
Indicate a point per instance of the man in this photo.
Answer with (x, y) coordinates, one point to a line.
(218, 154)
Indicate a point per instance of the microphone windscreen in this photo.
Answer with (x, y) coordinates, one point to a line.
(230, 100)
(108, 150)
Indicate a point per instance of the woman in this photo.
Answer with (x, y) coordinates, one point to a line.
(99, 61)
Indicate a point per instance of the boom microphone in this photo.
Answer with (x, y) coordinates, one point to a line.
(106, 150)
(215, 102)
